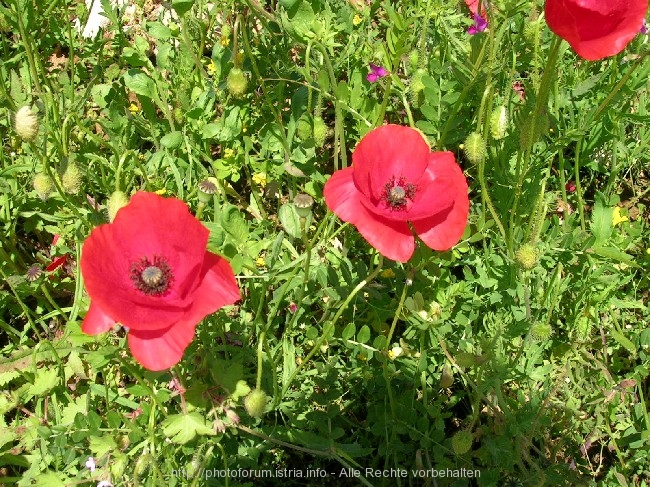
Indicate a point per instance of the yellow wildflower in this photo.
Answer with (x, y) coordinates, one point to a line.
(617, 217)
(133, 108)
(228, 153)
(387, 273)
(225, 41)
(648, 251)
(260, 262)
(260, 179)
(356, 20)
(161, 191)
(212, 67)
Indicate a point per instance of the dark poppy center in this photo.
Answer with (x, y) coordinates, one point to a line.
(152, 277)
(397, 193)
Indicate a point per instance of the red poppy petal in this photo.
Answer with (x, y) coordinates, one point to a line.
(387, 152)
(106, 276)
(96, 321)
(442, 231)
(594, 28)
(56, 263)
(217, 288)
(392, 239)
(161, 349)
(152, 225)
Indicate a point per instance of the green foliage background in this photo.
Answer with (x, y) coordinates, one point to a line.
(366, 363)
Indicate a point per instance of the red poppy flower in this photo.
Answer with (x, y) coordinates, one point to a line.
(596, 28)
(395, 179)
(150, 271)
(477, 7)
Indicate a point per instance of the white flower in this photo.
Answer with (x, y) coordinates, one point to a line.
(104, 483)
(90, 464)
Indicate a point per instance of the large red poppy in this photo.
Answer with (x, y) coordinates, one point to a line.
(596, 28)
(395, 179)
(150, 271)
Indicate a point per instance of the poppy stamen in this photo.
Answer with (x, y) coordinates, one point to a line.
(151, 277)
(397, 193)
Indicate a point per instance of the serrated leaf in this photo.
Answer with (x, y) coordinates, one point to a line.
(102, 445)
(141, 84)
(70, 411)
(49, 479)
(45, 381)
(601, 221)
(181, 428)
(234, 223)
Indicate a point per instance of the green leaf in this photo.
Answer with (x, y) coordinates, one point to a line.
(102, 445)
(348, 331)
(615, 254)
(290, 220)
(601, 220)
(141, 84)
(182, 6)
(46, 380)
(364, 334)
(172, 140)
(181, 428)
(623, 341)
(234, 223)
(50, 479)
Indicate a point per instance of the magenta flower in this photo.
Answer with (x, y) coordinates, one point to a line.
(479, 25)
(644, 28)
(376, 72)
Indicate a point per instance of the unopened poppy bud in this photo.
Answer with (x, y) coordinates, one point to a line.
(447, 377)
(527, 256)
(236, 82)
(71, 179)
(43, 185)
(475, 148)
(541, 331)
(499, 122)
(255, 403)
(303, 203)
(462, 441)
(304, 127)
(116, 201)
(26, 124)
(320, 131)
(207, 188)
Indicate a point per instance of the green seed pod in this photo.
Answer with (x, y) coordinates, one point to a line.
(255, 403)
(583, 328)
(499, 122)
(26, 124)
(527, 256)
(207, 189)
(417, 85)
(116, 201)
(320, 131)
(446, 377)
(414, 57)
(475, 148)
(303, 203)
(541, 332)
(43, 185)
(304, 127)
(236, 82)
(71, 178)
(462, 441)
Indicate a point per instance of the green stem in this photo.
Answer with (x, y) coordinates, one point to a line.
(329, 327)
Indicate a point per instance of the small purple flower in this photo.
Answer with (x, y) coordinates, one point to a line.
(376, 72)
(644, 28)
(479, 25)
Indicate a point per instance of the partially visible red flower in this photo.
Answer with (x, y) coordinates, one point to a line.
(56, 261)
(395, 180)
(596, 29)
(477, 7)
(570, 186)
(150, 271)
